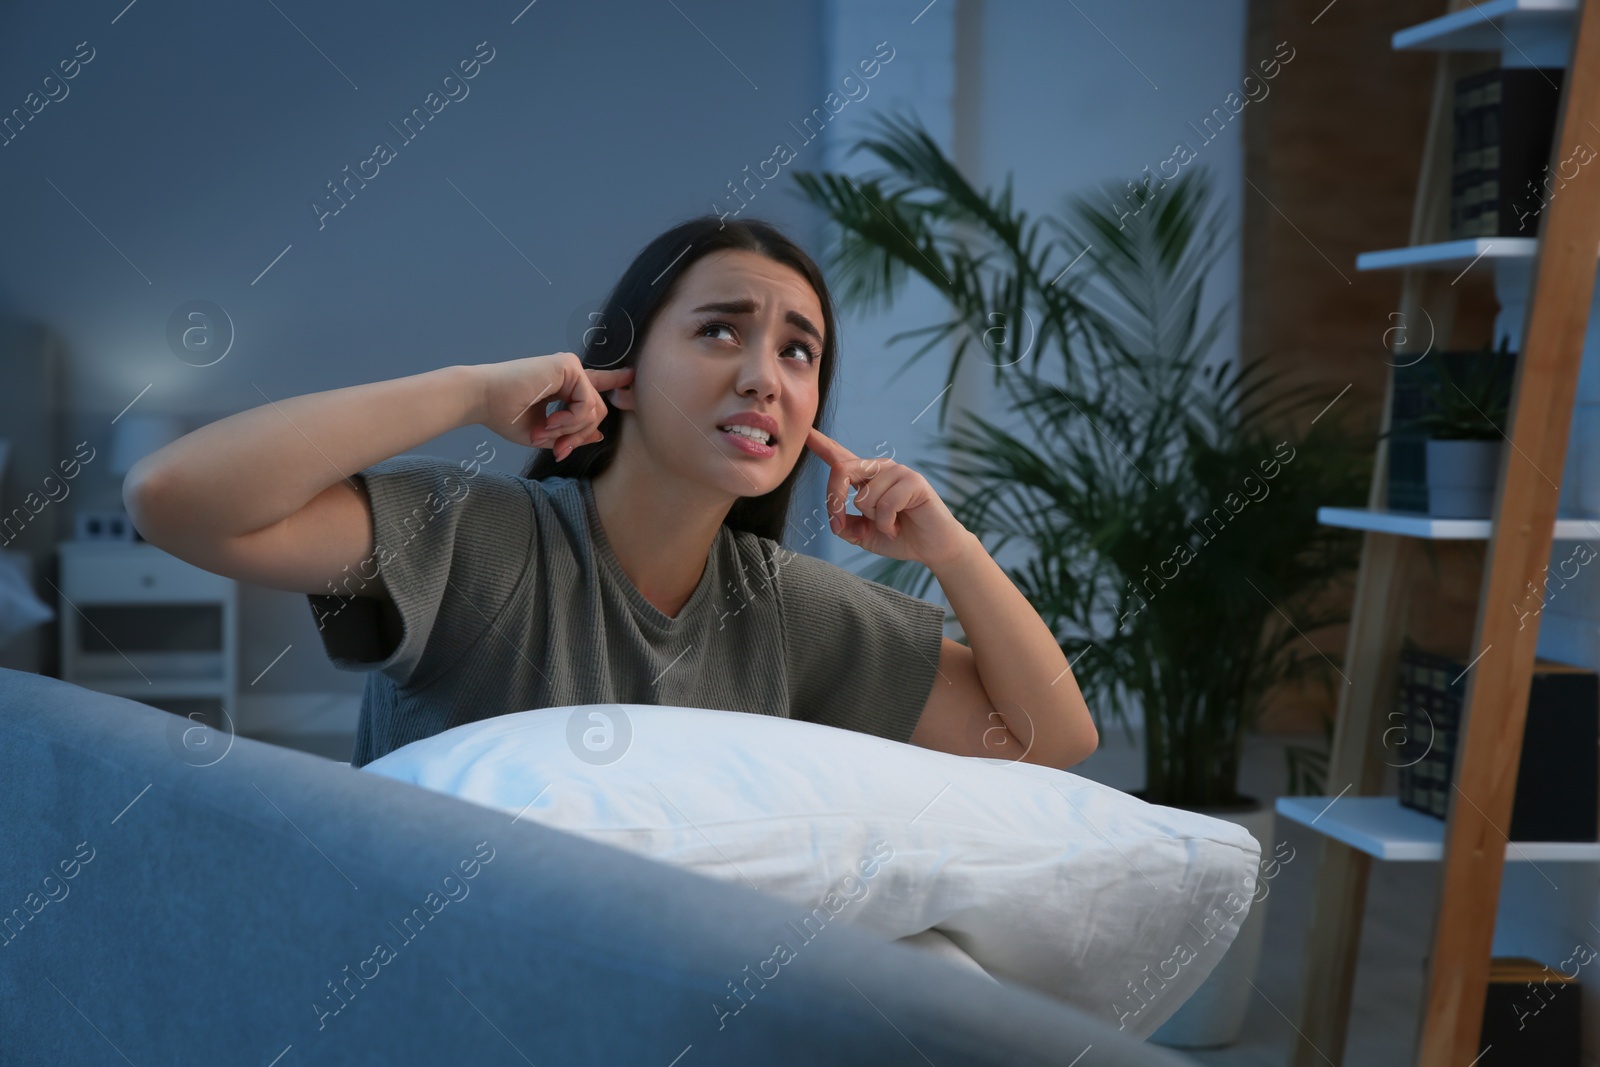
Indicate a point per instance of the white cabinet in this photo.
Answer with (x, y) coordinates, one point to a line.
(140, 623)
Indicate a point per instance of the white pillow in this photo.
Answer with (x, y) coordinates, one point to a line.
(20, 607)
(1042, 877)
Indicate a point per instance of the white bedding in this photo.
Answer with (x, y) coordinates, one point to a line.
(1034, 875)
(20, 607)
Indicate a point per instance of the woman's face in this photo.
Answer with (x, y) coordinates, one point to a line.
(742, 334)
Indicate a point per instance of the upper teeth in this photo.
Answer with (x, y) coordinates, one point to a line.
(749, 431)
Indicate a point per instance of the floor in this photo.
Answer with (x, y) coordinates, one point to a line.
(1400, 908)
(1401, 901)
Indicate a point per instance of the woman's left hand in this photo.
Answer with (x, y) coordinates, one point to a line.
(901, 516)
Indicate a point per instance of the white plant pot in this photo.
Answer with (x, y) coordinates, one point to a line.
(1461, 478)
(1214, 1016)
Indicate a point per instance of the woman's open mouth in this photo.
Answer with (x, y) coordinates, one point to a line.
(749, 440)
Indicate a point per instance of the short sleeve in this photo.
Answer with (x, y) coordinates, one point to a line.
(860, 655)
(451, 543)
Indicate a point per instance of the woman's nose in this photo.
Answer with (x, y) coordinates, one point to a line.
(759, 372)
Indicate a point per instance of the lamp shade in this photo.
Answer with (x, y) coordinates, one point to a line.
(136, 436)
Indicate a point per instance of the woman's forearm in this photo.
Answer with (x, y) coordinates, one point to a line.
(1019, 661)
(253, 469)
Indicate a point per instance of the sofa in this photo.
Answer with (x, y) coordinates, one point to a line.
(171, 894)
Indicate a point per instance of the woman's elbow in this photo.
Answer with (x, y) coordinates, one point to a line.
(1076, 749)
(144, 493)
(1084, 750)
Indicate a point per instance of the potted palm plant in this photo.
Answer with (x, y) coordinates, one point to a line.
(1164, 501)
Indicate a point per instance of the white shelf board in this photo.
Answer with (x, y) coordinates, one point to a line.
(1487, 27)
(1382, 828)
(1418, 524)
(1451, 254)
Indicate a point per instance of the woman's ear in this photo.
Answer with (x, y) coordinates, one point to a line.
(621, 397)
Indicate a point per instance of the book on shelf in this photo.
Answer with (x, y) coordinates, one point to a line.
(1558, 779)
(1501, 178)
(1532, 1013)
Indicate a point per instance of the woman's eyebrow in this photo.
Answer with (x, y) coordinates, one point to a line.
(748, 307)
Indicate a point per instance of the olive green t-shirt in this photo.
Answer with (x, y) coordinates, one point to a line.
(509, 598)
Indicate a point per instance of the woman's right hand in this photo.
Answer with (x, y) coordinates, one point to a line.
(515, 394)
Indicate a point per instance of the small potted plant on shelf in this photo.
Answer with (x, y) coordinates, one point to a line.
(1166, 502)
(1465, 420)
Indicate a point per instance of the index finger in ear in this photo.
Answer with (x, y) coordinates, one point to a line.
(609, 378)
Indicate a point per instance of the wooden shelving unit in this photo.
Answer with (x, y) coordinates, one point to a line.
(1358, 823)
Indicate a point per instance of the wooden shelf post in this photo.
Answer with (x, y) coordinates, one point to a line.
(1496, 702)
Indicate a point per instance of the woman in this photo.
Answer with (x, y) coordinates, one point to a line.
(638, 558)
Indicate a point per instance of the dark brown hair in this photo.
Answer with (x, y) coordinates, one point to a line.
(625, 319)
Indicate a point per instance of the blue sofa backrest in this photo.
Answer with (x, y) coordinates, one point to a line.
(163, 901)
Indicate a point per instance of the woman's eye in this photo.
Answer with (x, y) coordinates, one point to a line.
(805, 352)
